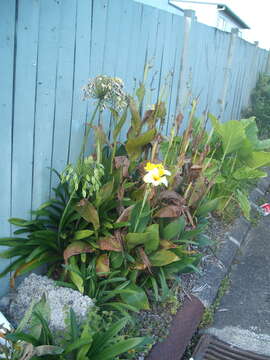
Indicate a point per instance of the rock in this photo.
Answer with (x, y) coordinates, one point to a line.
(4, 326)
(60, 300)
(5, 302)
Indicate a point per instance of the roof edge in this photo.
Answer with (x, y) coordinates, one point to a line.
(221, 7)
(232, 15)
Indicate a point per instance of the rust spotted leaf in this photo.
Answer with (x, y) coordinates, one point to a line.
(76, 248)
(166, 244)
(88, 212)
(103, 265)
(111, 243)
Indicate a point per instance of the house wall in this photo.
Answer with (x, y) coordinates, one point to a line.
(48, 51)
(161, 4)
(205, 14)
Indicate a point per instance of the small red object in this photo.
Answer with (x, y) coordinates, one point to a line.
(266, 208)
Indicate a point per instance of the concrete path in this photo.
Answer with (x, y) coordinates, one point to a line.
(243, 318)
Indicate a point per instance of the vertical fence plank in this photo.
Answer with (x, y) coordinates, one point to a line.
(133, 29)
(111, 50)
(64, 86)
(178, 40)
(44, 116)
(98, 39)
(81, 75)
(7, 32)
(24, 106)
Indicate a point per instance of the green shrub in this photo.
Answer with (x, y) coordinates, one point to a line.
(237, 157)
(260, 106)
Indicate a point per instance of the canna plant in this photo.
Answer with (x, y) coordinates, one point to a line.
(237, 158)
(122, 219)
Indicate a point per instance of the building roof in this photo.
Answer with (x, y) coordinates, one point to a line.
(221, 7)
(224, 8)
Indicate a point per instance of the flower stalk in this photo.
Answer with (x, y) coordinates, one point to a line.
(145, 197)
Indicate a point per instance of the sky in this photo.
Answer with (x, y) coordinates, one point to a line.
(256, 14)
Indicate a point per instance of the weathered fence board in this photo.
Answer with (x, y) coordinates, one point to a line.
(48, 51)
(7, 37)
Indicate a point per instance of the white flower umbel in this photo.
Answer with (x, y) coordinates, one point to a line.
(109, 91)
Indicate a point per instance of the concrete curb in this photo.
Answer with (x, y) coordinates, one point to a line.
(206, 287)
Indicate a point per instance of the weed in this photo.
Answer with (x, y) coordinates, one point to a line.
(209, 313)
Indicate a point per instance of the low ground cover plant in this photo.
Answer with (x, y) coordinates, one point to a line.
(97, 338)
(129, 217)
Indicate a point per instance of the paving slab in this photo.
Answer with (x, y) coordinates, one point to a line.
(243, 318)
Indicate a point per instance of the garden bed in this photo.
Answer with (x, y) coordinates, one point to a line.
(130, 227)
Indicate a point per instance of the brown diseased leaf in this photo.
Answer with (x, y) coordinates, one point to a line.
(195, 172)
(148, 115)
(88, 212)
(111, 243)
(190, 218)
(145, 259)
(125, 214)
(76, 248)
(166, 244)
(103, 265)
(122, 162)
(172, 197)
(198, 191)
(178, 122)
(170, 211)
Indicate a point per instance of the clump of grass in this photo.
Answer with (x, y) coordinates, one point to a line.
(208, 316)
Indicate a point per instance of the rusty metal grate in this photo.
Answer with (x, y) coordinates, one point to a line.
(211, 348)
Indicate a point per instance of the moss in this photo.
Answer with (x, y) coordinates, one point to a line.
(209, 313)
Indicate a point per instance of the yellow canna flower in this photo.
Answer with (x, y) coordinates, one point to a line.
(156, 174)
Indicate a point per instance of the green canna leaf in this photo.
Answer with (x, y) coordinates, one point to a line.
(135, 296)
(162, 258)
(82, 234)
(174, 228)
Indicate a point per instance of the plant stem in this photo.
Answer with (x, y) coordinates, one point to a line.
(63, 216)
(86, 135)
(113, 156)
(170, 144)
(146, 193)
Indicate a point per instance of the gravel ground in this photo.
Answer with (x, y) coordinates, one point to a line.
(156, 322)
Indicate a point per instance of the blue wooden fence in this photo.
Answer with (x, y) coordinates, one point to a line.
(48, 50)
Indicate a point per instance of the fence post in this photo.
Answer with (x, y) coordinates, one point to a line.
(234, 35)
(267, 69)
(189, 17)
